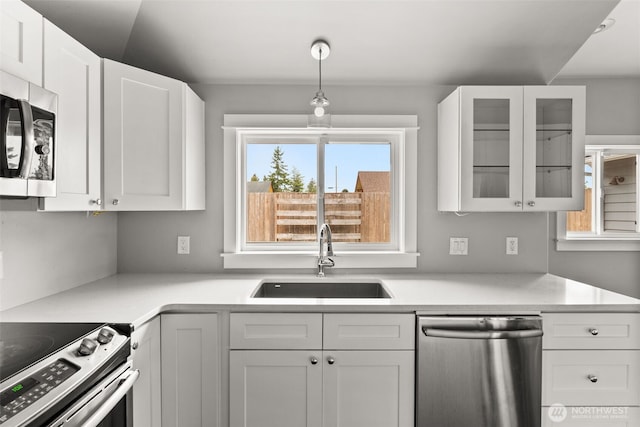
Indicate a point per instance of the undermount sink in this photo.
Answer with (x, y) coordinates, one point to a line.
(321, 289)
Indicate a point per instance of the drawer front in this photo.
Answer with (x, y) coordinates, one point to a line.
(591, 378)
(591, 331)
(369, 331)
(266, 331)
(591, 416)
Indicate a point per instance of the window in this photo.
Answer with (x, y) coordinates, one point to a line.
(286, 181)
(611, 218)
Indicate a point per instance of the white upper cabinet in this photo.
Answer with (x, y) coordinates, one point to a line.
(153, 141)
(511, 148)
(73, 72)
(21, 41)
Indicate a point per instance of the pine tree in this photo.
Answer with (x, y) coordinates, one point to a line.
(297, 181)
(312, 187)
(279, 175)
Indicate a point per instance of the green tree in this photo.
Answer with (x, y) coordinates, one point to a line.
(279, 175)
(255, 178)
(297, 181)
(312, 187)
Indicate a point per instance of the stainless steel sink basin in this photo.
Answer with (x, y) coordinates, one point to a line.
(321, 289)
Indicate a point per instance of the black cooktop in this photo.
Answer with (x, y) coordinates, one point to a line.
(23, 344)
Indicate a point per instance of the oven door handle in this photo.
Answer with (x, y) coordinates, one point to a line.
(128, 379)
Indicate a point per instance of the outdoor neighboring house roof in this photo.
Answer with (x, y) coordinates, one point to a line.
(259, 187)
(372, 181)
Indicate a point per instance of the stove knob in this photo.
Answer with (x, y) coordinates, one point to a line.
(105, 336)
(87, 347)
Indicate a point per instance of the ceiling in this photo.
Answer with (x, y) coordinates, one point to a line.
(372, 41)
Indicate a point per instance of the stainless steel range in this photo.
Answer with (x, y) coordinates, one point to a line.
(65, 374)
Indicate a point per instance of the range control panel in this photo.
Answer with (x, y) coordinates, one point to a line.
(26, 392)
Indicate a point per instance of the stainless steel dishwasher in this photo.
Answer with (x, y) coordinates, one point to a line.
(479, 371)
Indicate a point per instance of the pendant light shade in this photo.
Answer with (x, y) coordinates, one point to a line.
(320, 50)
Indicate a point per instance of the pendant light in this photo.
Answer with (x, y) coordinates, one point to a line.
(320, 50)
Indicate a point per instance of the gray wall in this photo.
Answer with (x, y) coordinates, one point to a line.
(613, 108)
(147, 241)
(46, 253)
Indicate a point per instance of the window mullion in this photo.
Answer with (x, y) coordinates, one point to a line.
(599, 197)
(637, 193)
(321, 184)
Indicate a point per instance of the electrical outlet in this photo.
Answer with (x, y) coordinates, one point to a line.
(184, 245)
(458, 245)
(512, 246)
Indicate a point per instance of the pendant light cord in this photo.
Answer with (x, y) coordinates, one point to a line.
(320, 72)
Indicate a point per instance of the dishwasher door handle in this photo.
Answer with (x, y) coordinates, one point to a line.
(481, 335)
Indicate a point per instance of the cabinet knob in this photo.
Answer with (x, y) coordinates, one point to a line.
(95, 201)
(135, 345)
(314, 360)
(331, 360)
(518, 204)
(531, 203)
(115, 201)
(592, 378)
(593, 331)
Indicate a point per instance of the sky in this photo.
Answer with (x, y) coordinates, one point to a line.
(348, 158)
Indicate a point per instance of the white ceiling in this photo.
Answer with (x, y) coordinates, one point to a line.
(372, 41)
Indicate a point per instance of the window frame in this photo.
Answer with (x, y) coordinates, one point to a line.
(399, 131)
(599, 240)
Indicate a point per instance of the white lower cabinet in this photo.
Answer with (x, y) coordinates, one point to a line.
(366, 380)
(591, 370)
(146, 358)
(190, 370)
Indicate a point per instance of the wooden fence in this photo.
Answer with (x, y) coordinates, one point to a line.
(292, 217)
(581, 220)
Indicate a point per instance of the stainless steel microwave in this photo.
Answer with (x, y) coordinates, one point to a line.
(27, 138)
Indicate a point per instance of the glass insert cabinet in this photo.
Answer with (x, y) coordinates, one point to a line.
(511, 148)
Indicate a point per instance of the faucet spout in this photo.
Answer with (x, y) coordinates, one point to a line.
(323, 257)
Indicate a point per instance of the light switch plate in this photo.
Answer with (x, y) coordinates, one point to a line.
(458, 245)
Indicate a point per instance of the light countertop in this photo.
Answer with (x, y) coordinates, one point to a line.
(136, 298)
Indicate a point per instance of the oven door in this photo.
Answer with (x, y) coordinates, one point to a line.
(108, 404)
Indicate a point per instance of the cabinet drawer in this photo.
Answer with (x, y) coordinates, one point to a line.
(369, 331)
(591, 331)
(265, 331)
(591, 416)
(566, 378)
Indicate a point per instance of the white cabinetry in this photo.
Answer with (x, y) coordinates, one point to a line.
(153, 141)
(190, 370)
(363, 375)
(146, 358)
(74, 73)
(21, 41)
(591, 366)
(511, 148)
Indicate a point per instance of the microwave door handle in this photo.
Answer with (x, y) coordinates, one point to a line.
(28, 141)
(129, 377)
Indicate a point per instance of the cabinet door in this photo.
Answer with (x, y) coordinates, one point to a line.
(368, 388)
(146, 358)
(554, 134)
(143, 139)
(275, 388)
(73, 72)
(21, 41)
(491, 148)
(190, 364)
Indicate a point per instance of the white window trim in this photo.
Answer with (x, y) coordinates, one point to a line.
(401, 253)
(604, 242)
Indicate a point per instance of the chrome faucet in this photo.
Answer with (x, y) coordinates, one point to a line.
(323, 258)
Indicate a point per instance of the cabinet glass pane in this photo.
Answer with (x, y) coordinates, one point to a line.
(491, 127)
(553, 147)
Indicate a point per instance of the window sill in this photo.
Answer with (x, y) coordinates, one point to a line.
(291, 260)
(599, 244)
